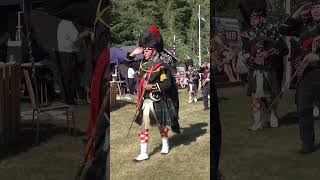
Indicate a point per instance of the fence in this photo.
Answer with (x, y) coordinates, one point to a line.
(10, 78)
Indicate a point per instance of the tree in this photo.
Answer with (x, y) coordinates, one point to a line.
(172, 17)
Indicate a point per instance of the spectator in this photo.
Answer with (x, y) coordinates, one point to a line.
(69, 43)
(131, 80)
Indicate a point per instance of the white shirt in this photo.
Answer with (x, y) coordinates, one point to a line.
(130, 73)
(68, 37)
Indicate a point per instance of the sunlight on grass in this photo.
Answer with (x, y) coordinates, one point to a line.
(188, 157)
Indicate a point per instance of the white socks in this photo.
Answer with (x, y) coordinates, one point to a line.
(315, 111)
(190, 99)
(143, 153)
(165, 146)
(273, 120)
(257, 121)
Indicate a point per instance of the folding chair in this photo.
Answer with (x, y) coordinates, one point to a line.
(38, 109)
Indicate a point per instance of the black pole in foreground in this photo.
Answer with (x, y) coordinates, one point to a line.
(215, 118)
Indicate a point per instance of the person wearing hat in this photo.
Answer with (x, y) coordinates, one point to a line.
(308, 87)
(192, 80)
(157, 91)
(263, 52)
(205, 83)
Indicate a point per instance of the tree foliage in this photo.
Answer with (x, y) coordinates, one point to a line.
(173, 17)
(276, 8)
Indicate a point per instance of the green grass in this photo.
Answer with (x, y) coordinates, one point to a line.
(187, 159)
(57, 157)
(270, 154)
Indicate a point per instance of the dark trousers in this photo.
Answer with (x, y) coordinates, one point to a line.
(308, 91)
(206, 93)
(3, 53)
(68, 74)
(216, 131)
(132, 85)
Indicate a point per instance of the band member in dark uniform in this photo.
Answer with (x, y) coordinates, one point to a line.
(157, 91)
(192, 80)
(205, 83)
(264, 52)
(305, 24)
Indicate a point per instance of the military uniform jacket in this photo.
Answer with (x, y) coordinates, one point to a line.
(309, 37)
(256, 40)
(159, 74)
(192, 77)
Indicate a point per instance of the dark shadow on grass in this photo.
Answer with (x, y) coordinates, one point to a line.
(120, 104)
(290, 119)
(317, 147)
(27, 138)
(220, 99)
(189, 135)
(200, 98)
(220, 176)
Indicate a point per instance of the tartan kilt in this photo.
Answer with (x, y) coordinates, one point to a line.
(164, 110)
(271, 83)
(194, 87)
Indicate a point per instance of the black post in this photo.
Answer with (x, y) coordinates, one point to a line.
(215, 118)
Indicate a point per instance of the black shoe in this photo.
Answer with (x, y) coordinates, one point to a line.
(176, 128)
(70, 102)
(137, 161)
(177, 131)
(206, 108)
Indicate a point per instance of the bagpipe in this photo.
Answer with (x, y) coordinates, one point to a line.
(251, 64)
(265, 40)
(205, 78)
(192, 76)
(204, 72)
(300, 66)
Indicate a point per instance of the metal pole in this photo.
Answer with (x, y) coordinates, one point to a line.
(199, 19)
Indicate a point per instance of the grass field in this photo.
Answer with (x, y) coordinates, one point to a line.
(270, 154)
(189, 157)
(57, 157)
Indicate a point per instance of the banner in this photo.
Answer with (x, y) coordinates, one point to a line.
(229, 32)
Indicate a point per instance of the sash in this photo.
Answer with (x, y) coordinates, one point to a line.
(142, 80)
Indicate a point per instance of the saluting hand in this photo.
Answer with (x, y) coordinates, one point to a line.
(303, 10)
(137, 51)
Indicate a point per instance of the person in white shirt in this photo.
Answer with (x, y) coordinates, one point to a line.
(69, 44)
(131, 80)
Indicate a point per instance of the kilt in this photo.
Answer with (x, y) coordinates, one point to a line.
(192, 88)
(164, 111)
(263, 83)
